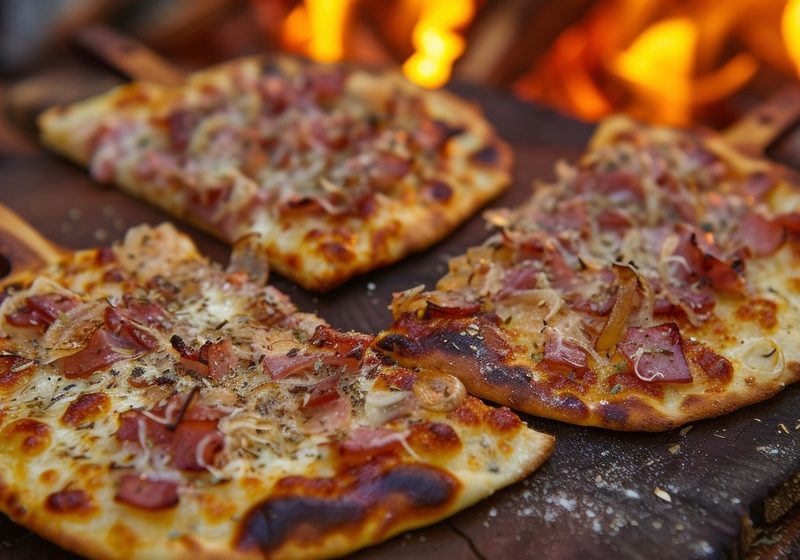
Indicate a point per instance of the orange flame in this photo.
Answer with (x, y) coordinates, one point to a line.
(663, 61)
(317, 28)
(790, 26)
(436, 39)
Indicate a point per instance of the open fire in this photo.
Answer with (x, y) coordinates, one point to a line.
(664, 61)
(668, 61)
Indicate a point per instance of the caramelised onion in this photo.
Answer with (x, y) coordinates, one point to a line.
(439, 392)
(382, 406)
(248, 256)
(71, 330)
(612, 331)
(408, 301)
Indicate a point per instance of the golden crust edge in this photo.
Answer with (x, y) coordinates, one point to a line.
(539, 446)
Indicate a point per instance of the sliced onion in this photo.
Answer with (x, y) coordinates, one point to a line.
(73, 328)
(407, 301)
(618, 318)
(546, 298)
(248, 256)
(383, 406)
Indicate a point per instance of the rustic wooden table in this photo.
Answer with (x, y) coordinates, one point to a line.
(595, 497)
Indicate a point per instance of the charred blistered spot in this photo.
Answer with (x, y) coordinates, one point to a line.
(397, 344)
(572, 406)
(395, 494)
(27, 435)
(86, 409)
(471, 349)
(704, 362)
(627, 380)
(436, 311)
(434, 437)
(268, 67)
(763, 312)
(105, 255)
(270, 525)
(336, 252)
(69, 501)
(468, 414)
(502, 419)
(397, 378)
(293, 262)
(437, 190)
(14, 372)
(488, 155)
(13, 506)
(613, 413)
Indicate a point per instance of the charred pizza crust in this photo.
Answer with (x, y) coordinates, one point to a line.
(652, 284)
(156, 406)
(339, 169)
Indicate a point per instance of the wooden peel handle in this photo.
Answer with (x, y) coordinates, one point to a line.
(758, 129)
(23, 250)
(127, 56)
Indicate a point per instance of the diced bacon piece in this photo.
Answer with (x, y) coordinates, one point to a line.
(213, 359)
(366, 441)
(571, 214)
(191, 439)
(593, 292)
(194, 444)
(388, 169)
(518, 278)
(656, 354)
(758, 185)
(146, 493)
(181, 124)
(436, 311)
(135, 426)
(327, 417)
(323, 392)
(206, 204)
(326, 84)
(563, 353)
(142, 311)
(706, 264)
(222, 359)
(118, 340)
(347, 345)
(432, 134)
(697, 302)
(611, 220)
(129, 335)
(284, 365)
(42, 309)
(100, 352)
(617, 186)
(791, 221)
(762, 236)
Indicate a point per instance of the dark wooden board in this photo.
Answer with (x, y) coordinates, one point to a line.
(594, 498)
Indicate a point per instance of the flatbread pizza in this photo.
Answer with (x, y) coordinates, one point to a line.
(653, 283)
(154, 405)
(339, 169)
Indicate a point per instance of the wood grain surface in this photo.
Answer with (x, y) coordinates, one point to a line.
(595, 497)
